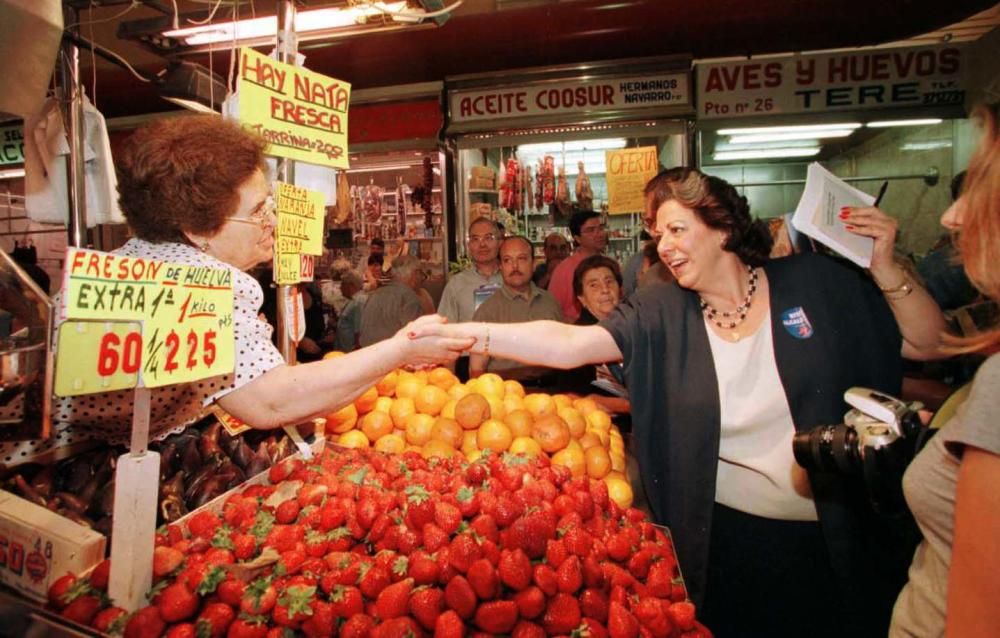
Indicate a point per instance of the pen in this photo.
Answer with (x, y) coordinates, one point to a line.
(881, 192)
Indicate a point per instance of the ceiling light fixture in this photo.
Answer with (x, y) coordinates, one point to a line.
(757, 146)
(785, 137)
(192, 86)
(765, 154)
(11, 173)
(918, 122)
(767, 130)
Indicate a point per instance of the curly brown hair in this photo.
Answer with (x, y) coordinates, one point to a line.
(716, 203)
(181, 174)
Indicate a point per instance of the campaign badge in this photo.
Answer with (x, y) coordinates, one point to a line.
(797, 323)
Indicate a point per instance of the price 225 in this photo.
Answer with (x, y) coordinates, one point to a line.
(124, 353)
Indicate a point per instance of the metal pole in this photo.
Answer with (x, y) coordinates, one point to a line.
(287, 48)
(71, 94)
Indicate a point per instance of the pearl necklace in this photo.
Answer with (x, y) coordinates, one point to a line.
(737, 316)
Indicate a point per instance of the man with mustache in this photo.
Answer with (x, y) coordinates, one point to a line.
(517, 300)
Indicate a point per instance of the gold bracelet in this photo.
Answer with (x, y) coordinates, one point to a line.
(899, 292)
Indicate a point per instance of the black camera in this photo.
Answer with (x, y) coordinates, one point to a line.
(877, 440)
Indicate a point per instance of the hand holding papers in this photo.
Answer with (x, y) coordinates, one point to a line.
(817, 214)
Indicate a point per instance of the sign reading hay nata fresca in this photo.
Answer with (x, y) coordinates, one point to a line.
(301, 114)
(131, 321)
(850, 80)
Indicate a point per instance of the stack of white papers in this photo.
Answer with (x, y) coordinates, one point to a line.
(818, 214)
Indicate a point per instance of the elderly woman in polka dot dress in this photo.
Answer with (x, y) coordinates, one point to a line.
(195, 191)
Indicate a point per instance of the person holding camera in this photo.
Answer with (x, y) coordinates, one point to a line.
(722, 368)
(952, 484)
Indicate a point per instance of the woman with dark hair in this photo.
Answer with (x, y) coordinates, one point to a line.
(722, 368)
(194, 191)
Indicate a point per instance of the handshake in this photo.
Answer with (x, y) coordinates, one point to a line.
(430, 340)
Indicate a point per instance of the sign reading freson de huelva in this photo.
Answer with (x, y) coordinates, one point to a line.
(133, 321)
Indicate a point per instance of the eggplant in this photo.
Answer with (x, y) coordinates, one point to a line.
(229, 443)
(43, 481)
(77, 472)
(208, 444)
(28, 492)
(168, 458)
(172, 508)
(242, 454)
(209, 489)
(190, 457)
(195, 480)
(104, 469)
(73, 502)
(260, 462)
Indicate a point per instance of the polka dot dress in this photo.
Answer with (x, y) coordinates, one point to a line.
(108, 416)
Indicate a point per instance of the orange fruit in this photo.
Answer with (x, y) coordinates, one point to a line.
(408, 386)
(448, 411)
(437, 448)
(387, 385)
(573, 459)
(447, 430)
(383, 404)
(525, 445)
(512, 402)
(430, 400)
(598, 462)
(497, 410)
(422, 375)
(442, 378)
(617, 475)
(458, 391)
(519, 422)
(562, 400)
(333, 354)
(512, 387)
(620, 491)
(585, 405)
(490, 384)
(366, 402)
(342, 420)
(601, 436)
(469, 441)
(390, 444)
(376, 424)
(617, 461)
(472, 410)
(353, 439)
(473, 455)
(418, 428)
(551, 432)
(539, 404)
(494, 435)
(577, 424)
(401, 410)
(589, 440)
(600, 420)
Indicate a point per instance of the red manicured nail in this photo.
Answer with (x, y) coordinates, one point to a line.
(848, 227)
(844, 213)
(411, 335)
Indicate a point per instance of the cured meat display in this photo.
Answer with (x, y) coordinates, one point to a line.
(584, 193)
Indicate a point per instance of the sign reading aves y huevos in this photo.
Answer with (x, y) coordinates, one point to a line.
(301, 114)
(577, 96)
(869, 79)
(628, 170)
(131, 321)
(299, 234)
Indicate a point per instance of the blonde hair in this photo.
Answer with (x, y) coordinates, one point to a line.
(978, 239)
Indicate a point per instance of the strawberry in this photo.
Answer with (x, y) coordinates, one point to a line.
(682, 615)
(545, 577)
(530, 602)
(660, 578)
(183, 630)
(331, 516)
(244, 546)
(404, 627)
(594, 604)
(419, 506)
(651, 615)
(204, 525)
(82, 609)
(640, 563)
(231, 591)
(311, 494)
(99, 576)
(467, 501)
(293, 606)
(555, 553)
(279, 472)
(515, 569)
(485, 526)
(144, 623)
(525, 629)
(593, 575)
(584, 503)
(462, 552)
(619, 547)
(374, 581)
(569, 576)
(220, 555)
(259, 597)
(599, 494)
(497, 616)
(564, 504)
(459, 595)
(177, 602)
(110, 620)
(323, 621)
(506, 510)
(447, 517)
(577, 541)
(346, 601)
(284, 537)
(448, 625)
(290, 563)
(483, 578)
(426, 604)
(591, 629)
(287, 512)
(678, 591)
(422, 568)
(357, 626)
(393, 601)
(58, 590)
(621, 622)
(248, 627)
(562, 614)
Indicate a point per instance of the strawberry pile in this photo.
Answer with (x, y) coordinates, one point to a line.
(360, 544)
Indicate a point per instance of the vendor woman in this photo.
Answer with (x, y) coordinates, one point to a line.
(195, 191)
(722, 368)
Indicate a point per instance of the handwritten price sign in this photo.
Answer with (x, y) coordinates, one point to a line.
(132, 320)
(299, 234)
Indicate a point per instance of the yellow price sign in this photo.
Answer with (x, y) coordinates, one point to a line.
(300, 219)
(627, 171)
(186, 314)
(97, 356)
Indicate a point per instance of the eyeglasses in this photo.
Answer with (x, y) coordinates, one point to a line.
(482, 238)
(262, 215)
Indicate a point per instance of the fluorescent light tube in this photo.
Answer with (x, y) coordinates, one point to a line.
(784, 137)
(918, 122)
(766, 130)
(766, 154)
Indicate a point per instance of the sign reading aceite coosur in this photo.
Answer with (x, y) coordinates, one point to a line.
(644, 91)
(301, 114)
(869, 79)
(131, 321)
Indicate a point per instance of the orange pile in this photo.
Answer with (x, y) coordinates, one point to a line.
(434, 414)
